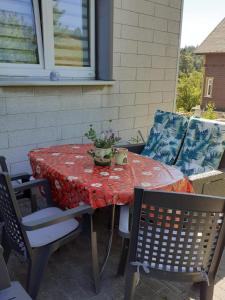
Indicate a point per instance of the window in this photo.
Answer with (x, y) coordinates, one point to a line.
(38, 37)
(209, 87)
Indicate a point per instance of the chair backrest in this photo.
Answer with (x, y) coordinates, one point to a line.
(4, 278)
(203, 146)
(3, 165)
(178, 236)
(10, 215)
(166, 137)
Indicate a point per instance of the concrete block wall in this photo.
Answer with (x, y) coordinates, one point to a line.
(146, 42)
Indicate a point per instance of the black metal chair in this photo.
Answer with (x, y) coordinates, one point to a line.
(10, 290)
(18, 179)
(39, 234)
(176, 237)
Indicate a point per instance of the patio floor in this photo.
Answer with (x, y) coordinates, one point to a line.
(68, 274)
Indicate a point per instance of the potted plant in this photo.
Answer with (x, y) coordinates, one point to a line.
(103, 152)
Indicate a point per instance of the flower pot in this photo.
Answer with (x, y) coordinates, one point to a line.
(102, 156)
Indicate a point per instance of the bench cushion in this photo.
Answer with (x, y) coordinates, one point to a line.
(166, 137)
(203, 146)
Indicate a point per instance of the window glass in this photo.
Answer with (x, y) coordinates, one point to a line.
(209, 87)
(18, 40)
(71, 33)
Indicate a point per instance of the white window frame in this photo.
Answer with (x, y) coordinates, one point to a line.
(46, 49)
(209, 87)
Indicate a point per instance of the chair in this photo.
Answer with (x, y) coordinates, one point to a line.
(166, 137)
(16, 180)
(39, 234)
(10, 290)
(178, 237)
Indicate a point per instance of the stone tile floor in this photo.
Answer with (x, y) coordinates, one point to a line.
(68, 274)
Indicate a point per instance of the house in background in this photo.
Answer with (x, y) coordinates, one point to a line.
(107, 59)
(213, 49)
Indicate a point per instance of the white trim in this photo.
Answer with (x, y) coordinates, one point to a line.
(48, 34)
(208, 87)
(40, 82)
(37, 19)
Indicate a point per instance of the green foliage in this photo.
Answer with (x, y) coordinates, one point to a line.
(189, 61)
(106, 139)
(135, 140)
(209, 112)
(190, 79)
(189, 90)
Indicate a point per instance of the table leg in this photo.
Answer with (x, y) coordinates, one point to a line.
(109, 241)
(88, 229)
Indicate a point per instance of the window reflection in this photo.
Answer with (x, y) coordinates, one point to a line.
(71, 32)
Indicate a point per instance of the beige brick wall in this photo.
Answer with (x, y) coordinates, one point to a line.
(146, 41)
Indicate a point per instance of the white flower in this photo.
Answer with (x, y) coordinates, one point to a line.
(146, 173)
(156, 168)
(79, 156)
(40, 159)
(55, 154)
(136, 161)
(57, 185)
(71, 178)
(114, 177)
(118, 169)
(88, 170)
(96, 185)
(104, 173)
(38, 169)
(69, 163)
(146, 184)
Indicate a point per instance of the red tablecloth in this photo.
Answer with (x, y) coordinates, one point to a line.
(74, 178)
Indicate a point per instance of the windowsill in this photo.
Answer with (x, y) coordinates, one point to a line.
(39, 82)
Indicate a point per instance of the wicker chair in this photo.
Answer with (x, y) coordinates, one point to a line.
(10, 290)
(39, 234)
(178, 237)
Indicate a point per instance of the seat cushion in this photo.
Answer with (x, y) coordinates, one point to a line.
(49, 234)
(166, 137)
(203, 146)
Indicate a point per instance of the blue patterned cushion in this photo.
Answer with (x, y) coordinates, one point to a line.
(203, 146)
(166, 137)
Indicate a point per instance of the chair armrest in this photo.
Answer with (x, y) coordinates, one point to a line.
(135, 148)
(36, 183)
(58, 218)
(31, 184)
(210, 183)
(23, 176)
(124, 221)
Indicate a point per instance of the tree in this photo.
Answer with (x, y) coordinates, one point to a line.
(189, 90)
(189, 61)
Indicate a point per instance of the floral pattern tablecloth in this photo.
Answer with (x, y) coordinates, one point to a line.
(74, 178)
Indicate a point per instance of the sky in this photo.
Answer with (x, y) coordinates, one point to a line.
(200, 17)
